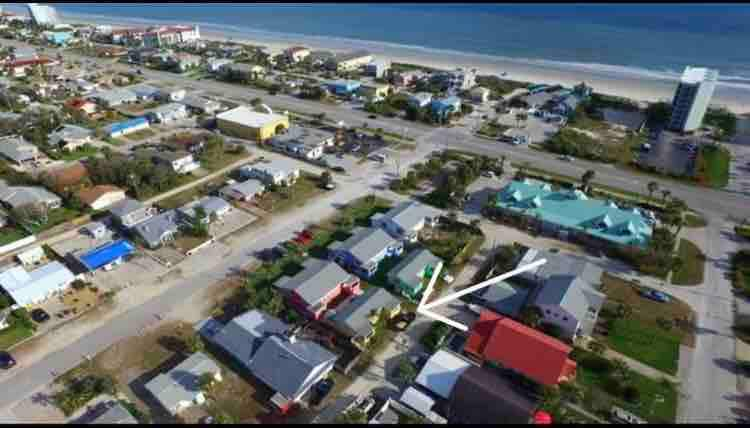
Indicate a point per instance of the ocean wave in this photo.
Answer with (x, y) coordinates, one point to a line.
(733, 81)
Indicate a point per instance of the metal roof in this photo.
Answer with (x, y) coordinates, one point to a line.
(407, 215)
(18, 150)
(409, 271)
(210, 204)
(242, 336)
(441, 372)
(245, 116)
(572, 294)
(126, 206)
(504, 298)
(18, 196)
(366, 243)
(318, 278)
(249, 187)
(27, 287)
(106, 254)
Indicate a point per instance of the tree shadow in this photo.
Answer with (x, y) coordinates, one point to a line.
(728, 365)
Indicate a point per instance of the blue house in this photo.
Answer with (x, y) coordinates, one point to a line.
(362, 253)
(444, 106)
(344, 87)
(59, 38)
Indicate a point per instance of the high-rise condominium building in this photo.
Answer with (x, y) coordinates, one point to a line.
(692, 98)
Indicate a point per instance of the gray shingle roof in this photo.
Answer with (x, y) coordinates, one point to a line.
(408, 214)
(18, 150)
(19, 196)
(559, 264)
(504, 298)
(366, 243)
(126, 206)
(287, 367)
(69, 132)
(317, 279)
(571, 293)
(352, 314)
(154, 229)
(243, 335)
(115, 414)
(182, 382)
(414, 263)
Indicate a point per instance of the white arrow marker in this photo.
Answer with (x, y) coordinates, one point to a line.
(424, 308)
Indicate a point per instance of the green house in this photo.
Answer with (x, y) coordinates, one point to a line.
(412, 274)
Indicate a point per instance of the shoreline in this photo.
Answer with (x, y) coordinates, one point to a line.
(635, 84)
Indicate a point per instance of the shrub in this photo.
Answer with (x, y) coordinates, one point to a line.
(78, 284)
(597, 364)
(631, 394)
(613, 386)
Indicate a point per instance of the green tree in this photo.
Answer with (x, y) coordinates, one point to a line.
(206, 381)
(586, 180)
(194, 343)
(353, 416)
(406, 371)
(531, 316)
(199, 223)
(652, 187)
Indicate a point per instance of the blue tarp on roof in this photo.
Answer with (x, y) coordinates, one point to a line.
(106, 254)
(121, 126)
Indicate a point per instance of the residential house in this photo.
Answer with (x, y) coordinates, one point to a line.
(199, 105)
(460, 80)
(305, 143)
(378, 68)
(130, 212)
(571, 214)
(441, 372)
(241, 71)
(407, 78)
(13, 197)
(420, 99)
(480, 396)
(20, 68)
(406, 220)
(242, 122)
(85, 106)
(480, 94)
(296, 54)
(375, 91)
(158, 229)
(357, 317)
(167, 113)
(349, 61)
(215, 65)
(504, 298)
(70, 137)
(243, 191)
(171, 35)
(101, 197)
(445, 106)
(145, 93)
(409, 276)
(18, 151)
(566, 291)
(104, 256)
(114, 413)
(36, 286)
(84, 86)
(522, 349)
(184, 61)
(31, 257)
(180, 387)
(313, 290)
(261, 343)
(95, 230)
(214, 208)
(126, 127)
(364, 250)
(114, 97)
(343, 87)
(172, 94)
(417, 403)
(279, 172)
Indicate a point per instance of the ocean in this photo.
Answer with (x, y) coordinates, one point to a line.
(655, 40)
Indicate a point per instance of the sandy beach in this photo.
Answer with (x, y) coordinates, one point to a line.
(640, 85)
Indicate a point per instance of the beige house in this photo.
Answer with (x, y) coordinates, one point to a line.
(100, 197)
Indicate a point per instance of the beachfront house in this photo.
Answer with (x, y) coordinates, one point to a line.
(349, 61)
(378, 68)
(364, 250)
(412, 274)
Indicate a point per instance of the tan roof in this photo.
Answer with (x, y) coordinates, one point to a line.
(90, 195)
(69, 176)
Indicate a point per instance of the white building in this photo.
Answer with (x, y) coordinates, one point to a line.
(406, 220)
(278, 172)
(169, 113)
(691, 98)
(31, 257)
(171, 35)
(180, 162)
(36, 286)
(297, 53)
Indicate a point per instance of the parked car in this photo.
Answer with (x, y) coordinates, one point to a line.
(338, 169)
(566, 158)
(6, 360)
(372, 116)
(322, 389)
(488, 174)
(39, 315)
(656, 295)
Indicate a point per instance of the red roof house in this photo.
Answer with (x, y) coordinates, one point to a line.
(532, 353)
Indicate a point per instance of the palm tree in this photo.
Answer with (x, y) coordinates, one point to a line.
(586, 179)
(502, 164)
(665, 194)
(652, 187)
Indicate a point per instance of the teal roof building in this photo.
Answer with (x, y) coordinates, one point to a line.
(574, 211)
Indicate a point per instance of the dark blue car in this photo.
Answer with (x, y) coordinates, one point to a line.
(656, 295)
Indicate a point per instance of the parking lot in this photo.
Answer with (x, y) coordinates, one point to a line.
(535, 128)
(668, 154)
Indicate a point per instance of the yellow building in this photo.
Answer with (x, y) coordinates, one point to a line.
(243, 122)
(377, 90)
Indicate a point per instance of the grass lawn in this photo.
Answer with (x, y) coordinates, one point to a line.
(226, 159)
(643, 335)
(10, 234)
(80, 153)
(657, 403)
(186, 242)
(694, 220)
(287, 198)
(715, 165)
(693, 264)
(56, 217)
(140, 135)
(12, 335)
